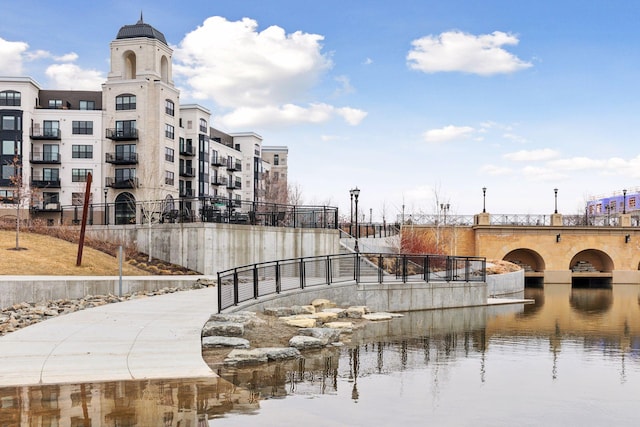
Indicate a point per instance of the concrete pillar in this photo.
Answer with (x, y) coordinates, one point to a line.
(556, 220)
(482, 219)
(625, 220)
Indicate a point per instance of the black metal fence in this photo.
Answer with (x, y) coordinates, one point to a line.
(188, 210)
(249, 282)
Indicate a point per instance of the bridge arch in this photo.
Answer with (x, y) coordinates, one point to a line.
(591, 260)
(528, 259)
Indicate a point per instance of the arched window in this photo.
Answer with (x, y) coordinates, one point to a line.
(125, 209)
(9, 98)
(126, 101)
(164, 69)
(129, 65)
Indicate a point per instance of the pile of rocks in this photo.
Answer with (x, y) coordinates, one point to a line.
(320, 324)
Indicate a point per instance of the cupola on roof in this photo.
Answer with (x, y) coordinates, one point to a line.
(140, 29)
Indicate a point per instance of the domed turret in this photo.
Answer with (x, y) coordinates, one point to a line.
(140, 29)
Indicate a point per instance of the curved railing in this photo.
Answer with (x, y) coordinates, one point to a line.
(250, 282)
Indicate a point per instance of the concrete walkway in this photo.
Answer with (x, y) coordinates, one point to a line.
(153, 337)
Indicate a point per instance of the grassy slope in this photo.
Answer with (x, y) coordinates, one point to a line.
(46, 255)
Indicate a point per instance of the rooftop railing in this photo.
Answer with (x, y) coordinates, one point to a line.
(524, 220)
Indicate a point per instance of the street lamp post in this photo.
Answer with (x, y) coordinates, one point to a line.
(356, 193)
(484, 199)
(351, 221)
(624, 202)
(555, 192)
(106, 207)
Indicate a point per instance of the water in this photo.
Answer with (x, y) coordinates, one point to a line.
(572, 358)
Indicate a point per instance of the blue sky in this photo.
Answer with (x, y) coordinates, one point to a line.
(415, 102)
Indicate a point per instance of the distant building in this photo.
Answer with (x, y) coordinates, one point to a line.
(616, 203)
(276, 184)
(133, 136)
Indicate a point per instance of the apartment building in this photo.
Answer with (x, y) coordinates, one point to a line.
(133, 136)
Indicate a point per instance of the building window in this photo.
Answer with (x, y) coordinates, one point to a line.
(55, 103)
(276, 159)
(51, 128)
(169, 178)
(80, 175)
(169, 154)
(10, 148)
(8, 171)
(87, 105)
(189, 124)
(169, 131)
(51, 174)
(125, 174)
(169, 107)
(9, 98)
(632, 202)
(10, 123)
(82, 151)
(82, 128)
(126, 127)
(50, 153)
(203, 126)
(126, 102)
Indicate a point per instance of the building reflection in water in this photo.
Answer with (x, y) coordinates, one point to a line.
(605, 322)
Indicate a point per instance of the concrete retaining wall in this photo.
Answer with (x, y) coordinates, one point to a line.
(36, 289)
(209, 248)
(505, 284)
(382, 297)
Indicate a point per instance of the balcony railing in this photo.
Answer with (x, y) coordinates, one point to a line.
(219, 180)
(186, 192)
(116, 182)
(122, 158)
(122, 134)
(51, 158)
(47, 207)
(40, 182)
(45, 133)
(187, 172)
(218, 161)
(234, 166)
(187, 150)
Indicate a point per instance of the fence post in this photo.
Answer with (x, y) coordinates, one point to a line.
(277, 277)
(255, 281)
(425, 264)
(404, 269)
(235, 287)
(328, 270)
(219, 293)
(427, 268)
(449, 269)
(380, 268)
(302, 278)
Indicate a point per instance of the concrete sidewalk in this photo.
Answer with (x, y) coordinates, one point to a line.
(150, 337)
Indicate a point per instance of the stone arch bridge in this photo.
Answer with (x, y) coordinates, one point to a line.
(551, 251)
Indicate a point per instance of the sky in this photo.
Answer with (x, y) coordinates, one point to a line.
(415, 102)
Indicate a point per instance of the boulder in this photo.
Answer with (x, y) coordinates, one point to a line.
(327, 335)
(325, 316)
(299, 322)
(278, 311)
(303, 309)
(305, 343)
(346, 327)
(247, 318)
(321, 304)
(217, 341)
(378, 316)
(225, 329)
(341, 312)
(245, 357)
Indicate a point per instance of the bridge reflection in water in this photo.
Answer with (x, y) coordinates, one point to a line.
(483, 365)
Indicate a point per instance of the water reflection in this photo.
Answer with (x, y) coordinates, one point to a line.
(580, 347)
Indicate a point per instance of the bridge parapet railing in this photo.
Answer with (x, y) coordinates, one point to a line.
(250, 282)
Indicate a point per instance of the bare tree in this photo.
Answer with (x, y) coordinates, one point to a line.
(21, 195)
(275, 189)
(294, 194)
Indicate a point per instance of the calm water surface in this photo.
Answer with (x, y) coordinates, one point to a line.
(572, 358)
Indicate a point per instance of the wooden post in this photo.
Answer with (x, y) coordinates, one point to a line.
(85, 208)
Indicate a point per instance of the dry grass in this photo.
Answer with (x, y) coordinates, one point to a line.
(46, 255)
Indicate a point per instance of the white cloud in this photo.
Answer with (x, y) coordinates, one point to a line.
(458, 51)
(287, 114)
(542, 174)
(495, 170)
(368, 61)
(11, 57)
(532, 155)
(70, 76)
(448, 133)
(345, 86)
(257, 77)
(69, 57)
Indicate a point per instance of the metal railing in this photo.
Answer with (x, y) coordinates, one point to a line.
(250, 282)
(524, 220)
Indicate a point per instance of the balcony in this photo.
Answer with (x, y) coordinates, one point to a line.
(238, 185)
(40, 182)
(231, 185)
(122, 134)
(47, 207)
(45, 158)
(186, 192)
(187, 172)
(117, 182)
(187, 150)
(219, 180)
(38, 133)
(8, 199)
(234, 166)
(218, 161)
(122, 158)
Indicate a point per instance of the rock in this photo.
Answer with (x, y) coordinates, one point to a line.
(378, 316)
(247, 318)
(321, 304)
(299, 322)
(325, 316)
(327, 335)
(346, 327)
(280, 353)
(305, 343)
(245, 357)
(217, 341)
(225, 329)
(303, 309)
(341, 312)
(278, 311)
